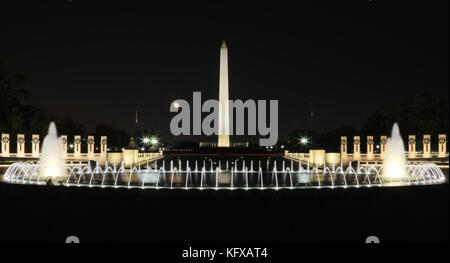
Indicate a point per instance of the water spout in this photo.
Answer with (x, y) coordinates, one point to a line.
(395, 159)
(52, 156)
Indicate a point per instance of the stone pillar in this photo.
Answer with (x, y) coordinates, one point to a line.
(77, 146)
(344, 147)
(370, 147)
(356, 148)
(64, 141)
(35, 145)
(5, 145)
(103, 149)
(103, 145)
(427, 146)
(20, 145)
(383, 140)
(442, 145)
(412, 146)
(91, 147)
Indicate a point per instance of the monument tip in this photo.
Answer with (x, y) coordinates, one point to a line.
(224, 45)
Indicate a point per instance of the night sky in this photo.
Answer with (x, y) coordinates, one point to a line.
(100, 62)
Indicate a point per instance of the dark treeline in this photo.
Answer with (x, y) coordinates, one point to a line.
(417, 115)
(420, 114)
(18, 116)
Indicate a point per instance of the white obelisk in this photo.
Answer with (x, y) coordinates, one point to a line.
(224, 118)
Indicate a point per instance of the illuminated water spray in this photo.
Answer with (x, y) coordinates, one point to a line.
(394, 158)
(210, 176)
(52, 156)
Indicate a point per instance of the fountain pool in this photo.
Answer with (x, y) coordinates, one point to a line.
(223, 173)
(238, 175)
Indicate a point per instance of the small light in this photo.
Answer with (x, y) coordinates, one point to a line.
(71, 145)
(304, 140)
(154, 140)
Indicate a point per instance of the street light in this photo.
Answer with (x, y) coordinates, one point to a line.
(304, 140)
(154, 140)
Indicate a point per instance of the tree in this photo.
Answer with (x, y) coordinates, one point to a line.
(13, 95)
(116, 138)
(417, 115)
(70, 127)
(375, 124)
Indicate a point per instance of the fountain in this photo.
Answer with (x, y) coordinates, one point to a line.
(238, 174)
(394, 166)
(52, 163)
(366, 175)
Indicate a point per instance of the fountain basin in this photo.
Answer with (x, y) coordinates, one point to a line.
(183, 177)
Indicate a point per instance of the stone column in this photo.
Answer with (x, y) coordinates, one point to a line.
(5, 145)
(412, 146)
(20, 145)
(383, 140)
(356, 148)
(90, 147)
(442, 146)
(77, 146)
(427, 146)
(35, 145)
(344, 147)
(103, 149)
(370, 147)
(64, 141)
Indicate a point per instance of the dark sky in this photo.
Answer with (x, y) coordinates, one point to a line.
(99, 62)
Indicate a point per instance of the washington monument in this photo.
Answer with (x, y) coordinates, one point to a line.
(224, 118)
